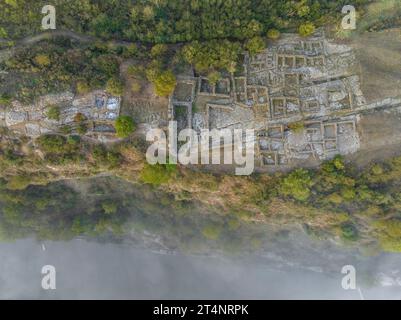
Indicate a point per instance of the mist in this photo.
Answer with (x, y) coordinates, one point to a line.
(90, 270)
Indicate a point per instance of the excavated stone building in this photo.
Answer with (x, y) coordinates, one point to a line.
(97, 109)
(300, 95)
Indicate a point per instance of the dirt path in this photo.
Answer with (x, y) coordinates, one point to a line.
(62, 33)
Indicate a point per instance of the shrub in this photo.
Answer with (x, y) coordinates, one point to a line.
(18, 182)
(136, 86)
(42, 60)
(349, 232)
(82, 87)
(213, 77)
(82, 128)
(5, 99)
(389, 234)
(273, 34)
(115, 87)
(124, 126)
(73, 140)
(297, 127)
(105, 157)
(211, 231)
(113, 159)
(109, 207)
(255, 45)
(53, 113)
(334, 166)
(297, 185)
(306, 29)
(158, 50)
(165, 83)
(79, 117)
(377, 169)
(137, 71)
(52, 143)
(65, 129)
(157, 174)
(348, 193)
(3, 33)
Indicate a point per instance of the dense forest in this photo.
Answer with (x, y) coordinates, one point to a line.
(211, 36)
(169, 21)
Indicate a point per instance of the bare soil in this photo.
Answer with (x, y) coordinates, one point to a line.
(379, 54)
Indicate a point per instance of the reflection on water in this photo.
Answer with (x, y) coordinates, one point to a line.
(110, 239)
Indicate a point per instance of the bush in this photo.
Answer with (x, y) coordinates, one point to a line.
(79, 118)
(297, 127)
(377, 169)
(53, 113)
(389, 233)
(136, 86)
(124, 126)
(5, 99)
(73, 140)
(273, 34)
(3, 33)
(137, 71)
(348, 193)
(42, 60)
(212, 231)
(105, 157)
(306, 29)
(349, 232)
(157, 174)
(297, 185)
(18, 183)
(52, 143)
(82, 87)
(255, 45)
(109, 207)
(82, 128)
(158, 50)
(213, 77)
(115, 87)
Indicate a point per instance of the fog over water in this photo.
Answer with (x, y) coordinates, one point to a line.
(114, 271)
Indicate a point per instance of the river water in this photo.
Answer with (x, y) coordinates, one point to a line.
(90, 270)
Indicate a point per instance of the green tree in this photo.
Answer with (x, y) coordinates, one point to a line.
(273, 34)
(82, 87)
(306, 29)
(255, 45)
(158, 50)
(297, 185)
(165, 83)
(213, 77)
